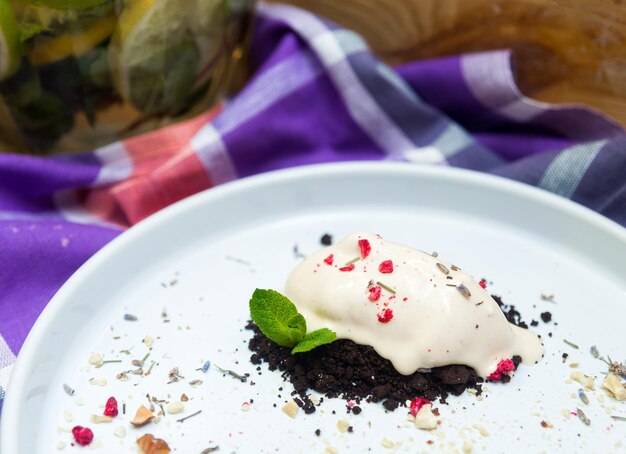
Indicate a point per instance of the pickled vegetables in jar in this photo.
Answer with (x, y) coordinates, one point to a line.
(78, 74)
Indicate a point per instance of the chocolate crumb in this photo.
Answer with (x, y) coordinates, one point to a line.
(326, 239)
(346, 369)
(318, 432)
(534, 323)
(546, 317)
(511, 314)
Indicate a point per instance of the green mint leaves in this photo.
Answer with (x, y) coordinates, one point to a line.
(279, 319)
(315, 339)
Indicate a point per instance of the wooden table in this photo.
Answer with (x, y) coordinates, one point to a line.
(565, 51)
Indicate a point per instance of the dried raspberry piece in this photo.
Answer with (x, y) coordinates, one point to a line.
(347, 268)
(374, 293)
(482, 283)
(82, 435)
(386, 267)
(504, 367)
(110, 409)
(385, 316)
(417, 404)
(329, 260)
(365, 248)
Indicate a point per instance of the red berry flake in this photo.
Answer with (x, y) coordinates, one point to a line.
(386, 267)
(82, 435)
(110, 409)
(385, 316)
(329, 260)
(417, 405)
(483, 284)
(504, 367)
(374, 293)
(347, 268)
(365, 248)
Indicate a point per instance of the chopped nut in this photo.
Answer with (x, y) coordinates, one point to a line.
(467, 447)
(184, 398)
(80, 402)
(565, 413)
(583, 379)
(97, 419)
(546, 425)
(68, 415)
(425, 419)
(61, 445)
(119, 432)
(291, 409)
(95, 359)
(343, 425)
(481, 430)
(142, 417)
(148, 340)
(175, 407)
(122, 376)
(387, 443)
(148, 444)
(615, 386)
(98, 381)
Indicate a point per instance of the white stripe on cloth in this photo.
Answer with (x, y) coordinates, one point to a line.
(70, 208)
(7, 359)
(362, 107)
(213, 155)
(6, 355)
(451, 141)
(563, 175)
(117, 165)
(482, 72)
(268, 88)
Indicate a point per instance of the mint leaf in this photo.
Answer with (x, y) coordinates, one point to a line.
(315, 339)
(277, 317)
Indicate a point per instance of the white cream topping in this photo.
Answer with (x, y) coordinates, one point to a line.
(435, 321)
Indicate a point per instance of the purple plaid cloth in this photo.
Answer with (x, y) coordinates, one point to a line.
(317, 95)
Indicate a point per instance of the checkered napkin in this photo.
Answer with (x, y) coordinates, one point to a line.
(317, 95)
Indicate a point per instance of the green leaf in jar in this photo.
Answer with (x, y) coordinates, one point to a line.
(162, 83)
(66, 4)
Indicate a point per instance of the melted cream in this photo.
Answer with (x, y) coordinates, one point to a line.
(433, 324)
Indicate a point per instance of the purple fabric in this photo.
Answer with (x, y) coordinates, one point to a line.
(317, 95)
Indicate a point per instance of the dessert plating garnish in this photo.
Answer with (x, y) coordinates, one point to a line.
(386, 287)
(374, 293)
(82, 435)
(386, 267)
(365, 247)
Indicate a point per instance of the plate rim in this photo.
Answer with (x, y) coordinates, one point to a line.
(9, 426)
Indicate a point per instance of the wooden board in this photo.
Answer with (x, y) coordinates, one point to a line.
(565, 51)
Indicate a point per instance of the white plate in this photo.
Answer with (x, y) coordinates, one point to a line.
(526, 241)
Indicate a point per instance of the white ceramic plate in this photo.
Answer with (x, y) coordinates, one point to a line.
(201, 259)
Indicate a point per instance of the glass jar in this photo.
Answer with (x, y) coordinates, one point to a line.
(78, 74)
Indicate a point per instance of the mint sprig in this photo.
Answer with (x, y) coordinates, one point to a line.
(279, 319)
